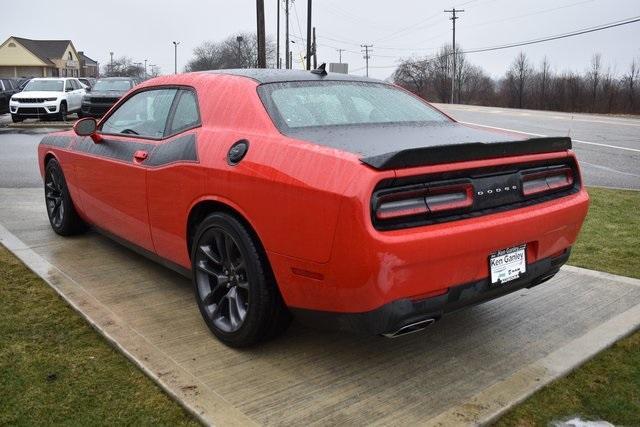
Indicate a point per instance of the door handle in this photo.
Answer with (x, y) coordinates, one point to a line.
(140, 156)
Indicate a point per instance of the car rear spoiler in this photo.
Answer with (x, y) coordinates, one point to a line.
(438, 154)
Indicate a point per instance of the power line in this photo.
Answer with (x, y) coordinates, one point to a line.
(558, 36)
(537, 12)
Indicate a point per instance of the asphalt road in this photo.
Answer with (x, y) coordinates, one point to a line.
(608, 147)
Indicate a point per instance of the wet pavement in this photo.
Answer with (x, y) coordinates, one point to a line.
(465, 369)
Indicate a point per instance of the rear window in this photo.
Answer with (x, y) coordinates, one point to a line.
(294, 105)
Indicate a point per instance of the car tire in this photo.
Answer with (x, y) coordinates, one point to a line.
(234, 287)
(63, 217)
(62, 112)
(16, 118)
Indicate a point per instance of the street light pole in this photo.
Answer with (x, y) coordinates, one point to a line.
(145, 69)
(262, 47)
(278, 35)
(175, 57)
(111, 66)
(239, 40)
(287, 52)
(309, 34)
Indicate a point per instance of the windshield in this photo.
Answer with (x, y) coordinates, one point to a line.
(119, 85)
(44, 85)
(334, 103)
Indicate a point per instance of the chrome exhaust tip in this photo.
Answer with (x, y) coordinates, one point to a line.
(410, 328)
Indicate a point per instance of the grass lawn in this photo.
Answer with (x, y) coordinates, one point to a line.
(608, 386)
(55, 369)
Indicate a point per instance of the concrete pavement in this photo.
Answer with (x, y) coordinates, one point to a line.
(466, 369)
(608, 147)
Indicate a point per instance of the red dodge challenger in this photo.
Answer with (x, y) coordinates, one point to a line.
(345, 201)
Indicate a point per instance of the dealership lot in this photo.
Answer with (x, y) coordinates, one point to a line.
(467, 367)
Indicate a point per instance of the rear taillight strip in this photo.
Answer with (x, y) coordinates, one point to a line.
(423, 201)
(539, 182)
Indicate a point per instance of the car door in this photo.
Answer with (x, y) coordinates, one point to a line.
(77, 94)
(5, 95)
(111, 174)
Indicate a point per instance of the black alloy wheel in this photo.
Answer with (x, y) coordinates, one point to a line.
(222, 280)
(54, 187)
(62, 214)
(62, 115)
(235, 289)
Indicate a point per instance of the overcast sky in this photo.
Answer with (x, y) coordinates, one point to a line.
(401, 28)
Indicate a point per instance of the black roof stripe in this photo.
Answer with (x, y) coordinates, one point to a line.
(272, 75)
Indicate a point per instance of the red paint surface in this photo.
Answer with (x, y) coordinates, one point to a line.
(308, 204)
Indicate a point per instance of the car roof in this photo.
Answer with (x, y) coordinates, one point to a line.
(53, 78)
(271, 75)
(115, 78)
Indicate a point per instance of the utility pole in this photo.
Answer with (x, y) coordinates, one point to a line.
(175, 57)
(340, 54)
(239, 40)
(111, 66)
(313, 51)
(278, 34)
(145, 69)
(366, 55)
(453, 71)
(286, 37)
(309, 35)
(262, 48)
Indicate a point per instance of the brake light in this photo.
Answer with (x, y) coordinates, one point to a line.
(450, 197)
(546, 180)
(424, 200)
(402, 203)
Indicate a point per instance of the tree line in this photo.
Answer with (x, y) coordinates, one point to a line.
(524, 85)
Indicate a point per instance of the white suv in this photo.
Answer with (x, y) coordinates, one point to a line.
(45, 97)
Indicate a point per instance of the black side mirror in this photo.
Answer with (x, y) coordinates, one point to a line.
(87, 127)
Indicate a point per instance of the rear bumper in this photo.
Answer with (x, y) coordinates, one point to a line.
(394, 315)
(369, 269)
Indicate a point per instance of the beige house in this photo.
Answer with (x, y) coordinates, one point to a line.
(38, 58)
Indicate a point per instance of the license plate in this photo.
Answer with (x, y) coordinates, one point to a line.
(508, 264)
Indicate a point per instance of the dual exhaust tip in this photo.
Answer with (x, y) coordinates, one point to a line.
(410, 328)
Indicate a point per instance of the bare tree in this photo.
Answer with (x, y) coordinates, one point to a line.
(593, 75)
(122, 67)
(518, 78)
(543, 81)
(629, 82)
(237, 51)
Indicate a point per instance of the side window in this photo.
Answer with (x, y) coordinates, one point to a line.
(186, 114)
(68, 86)
(144, 114)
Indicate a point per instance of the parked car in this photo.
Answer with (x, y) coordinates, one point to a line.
(22, 82)
(104, 94)
(7, 88)
(87, 81)
(346, 201)
(47, 97)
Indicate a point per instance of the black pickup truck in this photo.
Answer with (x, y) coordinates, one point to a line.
(104, 94)
(7, 88)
